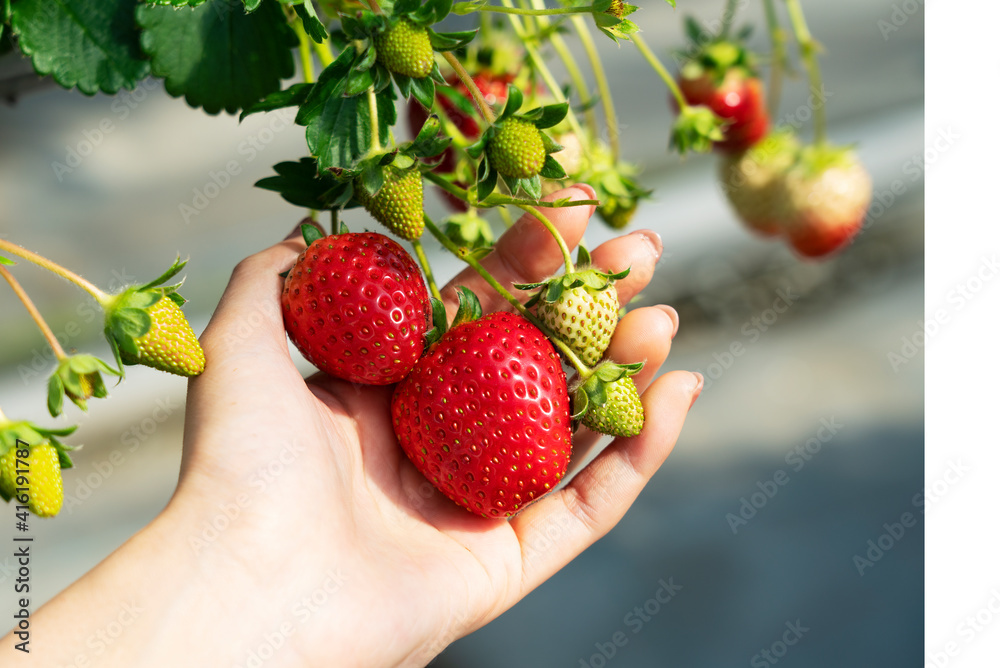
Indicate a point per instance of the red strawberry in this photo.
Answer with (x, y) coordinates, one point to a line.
(827, 196)
(736, 97)
(485, 415)
(355, 304)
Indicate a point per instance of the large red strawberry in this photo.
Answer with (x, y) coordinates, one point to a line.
(721, 77)
(828, 192)
(356, 306)
(485, 415)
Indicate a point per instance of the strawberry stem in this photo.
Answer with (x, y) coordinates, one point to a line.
(658, 67)
(602, 83)
(323, 51)
(477, 95)
(373, 117)
(465, 255)
(551, 11)
(418, 248)
(102, 298)
(539, 66)
(374, 6)
(582, 90)
(35, 315)
(808, 48)
(305, 54)
(563, 248)
(778, 56)
(727, 18)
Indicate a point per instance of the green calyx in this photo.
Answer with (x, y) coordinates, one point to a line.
(515, 149)
(696, 129)
(144, 325)
(615, 185)
(609, 16)
(608, 402)
(815, 159)
(469, 310)
(716, 55)
(552, 290)
(20, 434)
(78, 378)
(469, 230)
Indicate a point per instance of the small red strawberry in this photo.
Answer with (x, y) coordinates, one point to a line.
(356, 306)
(485, 415)
(721, 77)
(754, 182)
(827, 196)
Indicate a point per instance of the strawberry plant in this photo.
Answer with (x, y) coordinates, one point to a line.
(482, 407)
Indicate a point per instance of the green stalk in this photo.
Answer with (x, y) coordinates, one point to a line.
(808, 48)
(602, 83)
(324, 53)
(778, 55)
(542, 69)
(477, 95)
(50, 338)
(552, 11)
(418, 248)
(465, 255)
(658, 67)
(102, 298)
(563, 248)
(562, 50)
(373, 117)
(727, 18)
(305, 54)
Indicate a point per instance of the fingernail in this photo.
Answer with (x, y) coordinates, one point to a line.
(696, 391)
(672, 314)
(654, 240)
(588, 192)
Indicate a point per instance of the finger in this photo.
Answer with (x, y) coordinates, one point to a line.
(643, 335)
(248, 318)
(639, 252)
(526, 252)
(563, 524)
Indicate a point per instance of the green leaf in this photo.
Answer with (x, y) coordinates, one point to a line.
(300, 183)
(533, 186)
(552, 114)
(7, 261)
(514, 100)
(487, 184)
(582, 256)
(310, 233)
(423, 91)
(311, 22)
(552, 169)
(93, 46)
(405, 7)
(292, 96)
(449, 41)
(55, 398)
(469, 308)
(216, 55)
(171, 271)
(252, 5)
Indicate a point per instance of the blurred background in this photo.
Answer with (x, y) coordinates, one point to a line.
(770, 534)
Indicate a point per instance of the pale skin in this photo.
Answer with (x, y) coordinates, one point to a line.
(331, 546)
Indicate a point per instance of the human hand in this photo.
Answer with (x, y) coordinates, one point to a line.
(323, 527)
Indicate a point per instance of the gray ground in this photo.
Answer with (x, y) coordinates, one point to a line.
(116, 217)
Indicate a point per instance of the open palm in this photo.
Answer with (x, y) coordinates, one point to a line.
(316, 518)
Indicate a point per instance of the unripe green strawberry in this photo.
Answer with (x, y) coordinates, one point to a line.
(584, 319)
(170, 344)
(399, 203)
(617, 214)
(622, 414)
(44, 475)
(145, 325)
(405, 48)
(517, 150)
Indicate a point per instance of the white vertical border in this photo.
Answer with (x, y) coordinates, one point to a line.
(963, 354)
